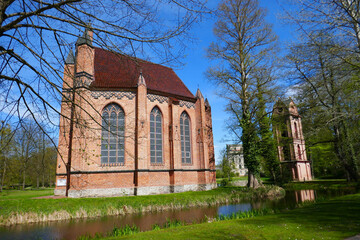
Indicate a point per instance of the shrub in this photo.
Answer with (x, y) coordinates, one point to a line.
(224, 182)
(219, 174)
(127, 230)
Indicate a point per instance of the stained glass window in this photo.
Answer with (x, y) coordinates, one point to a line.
(112, 135)
(185, 138)
(156, 153)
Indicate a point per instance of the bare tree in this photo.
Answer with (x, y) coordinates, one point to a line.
(244, 41)
(36, 37)
(339, 18)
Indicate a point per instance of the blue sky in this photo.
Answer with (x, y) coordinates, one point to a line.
(196, 64)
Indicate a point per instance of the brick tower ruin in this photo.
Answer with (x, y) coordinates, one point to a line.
(289, 136)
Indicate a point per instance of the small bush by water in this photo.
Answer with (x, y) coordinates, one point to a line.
(127, 230)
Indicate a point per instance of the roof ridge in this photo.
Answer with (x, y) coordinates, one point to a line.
(118, 70)
(123, 54)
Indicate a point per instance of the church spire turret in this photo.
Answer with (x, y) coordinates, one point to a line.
(70, 58)
(86, 38)
(198, 94)
(141, 80)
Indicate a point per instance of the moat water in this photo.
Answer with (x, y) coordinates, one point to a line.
(75, 228)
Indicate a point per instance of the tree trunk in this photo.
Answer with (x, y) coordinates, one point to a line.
(50, 181)
(24, 177)
(3, 176)
(346, 156)
(350, 153)
(43, 179)
(253, 182)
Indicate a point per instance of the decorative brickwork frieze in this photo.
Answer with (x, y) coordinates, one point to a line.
(160, 99)
(66, 95)
(83, 79)
(110, 94)
(112, 164)
(187, 104)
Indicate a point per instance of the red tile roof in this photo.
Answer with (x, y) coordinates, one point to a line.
(114, 70)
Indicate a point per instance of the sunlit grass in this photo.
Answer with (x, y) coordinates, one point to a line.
(333, 219)
(241, 178)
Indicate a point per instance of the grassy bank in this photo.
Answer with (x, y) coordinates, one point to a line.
(333, 219)
(26, 210)
(336, 184)
(242, 178)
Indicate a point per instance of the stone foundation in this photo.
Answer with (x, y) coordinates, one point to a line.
(116, 192)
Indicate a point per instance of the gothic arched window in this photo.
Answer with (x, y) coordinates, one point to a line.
(296, 130)
(299, 151)
(156, 147)
(185, 138)
(112, 135)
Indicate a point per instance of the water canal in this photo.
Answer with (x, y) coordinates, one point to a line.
(75, 228)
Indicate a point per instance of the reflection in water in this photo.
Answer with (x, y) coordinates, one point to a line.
(74, 229)
(304, 195)
(229, 209)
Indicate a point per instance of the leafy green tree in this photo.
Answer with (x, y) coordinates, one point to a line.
(5, 150)
(267, 146)
(226, 166)
(328, 90)
(338, 22)
(43, 163)
(244, 43)
(25, 148)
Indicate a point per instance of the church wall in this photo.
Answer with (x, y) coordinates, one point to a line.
(90, 178)
(163, 107)
(88, 145)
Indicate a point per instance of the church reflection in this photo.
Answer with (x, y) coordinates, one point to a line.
(304, 195)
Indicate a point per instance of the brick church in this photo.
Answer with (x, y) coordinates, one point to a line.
(288, 133)
(137, 129)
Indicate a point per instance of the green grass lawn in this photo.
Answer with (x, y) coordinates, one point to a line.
(27, 194)
(333, 219)
(242, 178)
